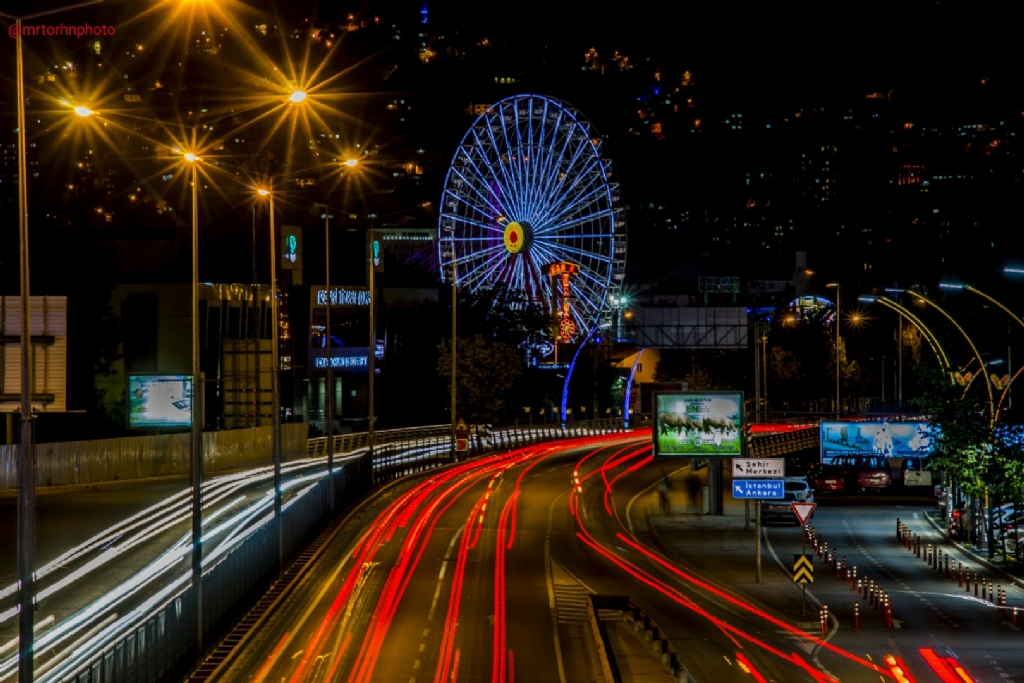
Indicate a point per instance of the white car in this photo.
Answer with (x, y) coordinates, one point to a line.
(797, 491)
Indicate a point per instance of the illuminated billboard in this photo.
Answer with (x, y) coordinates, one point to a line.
(699, 423)
(159, 401)
(878, 437)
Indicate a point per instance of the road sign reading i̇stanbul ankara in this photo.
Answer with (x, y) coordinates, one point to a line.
(699, 423)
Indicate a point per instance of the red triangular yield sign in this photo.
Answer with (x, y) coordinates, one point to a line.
(803, 510)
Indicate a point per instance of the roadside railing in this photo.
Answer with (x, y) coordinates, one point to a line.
(420, 452)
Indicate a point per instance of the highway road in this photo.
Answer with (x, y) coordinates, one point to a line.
(479, 571)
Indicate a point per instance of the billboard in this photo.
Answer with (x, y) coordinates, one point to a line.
(699, 423)
(159, 401)
(879, 437)
(291, 251)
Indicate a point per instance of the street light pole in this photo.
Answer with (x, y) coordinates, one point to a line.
(26, 464)
(329, 378)
(454, 286)
(26, 552)
(371, 282)
(197, 411)
(275, 387)
(883, 378)
(836, 285)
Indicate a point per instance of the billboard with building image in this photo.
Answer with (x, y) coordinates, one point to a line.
(156, 401)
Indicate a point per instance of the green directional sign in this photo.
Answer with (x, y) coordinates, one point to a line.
(803, 569)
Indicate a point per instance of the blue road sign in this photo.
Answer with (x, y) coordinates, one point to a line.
(758, 488)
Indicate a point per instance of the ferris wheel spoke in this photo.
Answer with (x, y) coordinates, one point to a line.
(530, 159)
(474, 187)
(510, 184)
(537, 155)
(519, 167)
(565, 193)
(551, 181)
(554, 227)
(474, 275)
(486, 178)
(582, 191)
(555, 246)
(477, 254)
(477, 224)
(463, 200)
(577, 221)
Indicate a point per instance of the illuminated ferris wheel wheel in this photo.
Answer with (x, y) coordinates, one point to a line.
(530, 194)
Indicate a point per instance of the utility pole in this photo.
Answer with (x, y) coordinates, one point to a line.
(26, 522)
(757, 373)
(329, 378)
(197, 414)
(373, 337)
(275, 386)
(256, 323)
(454, 285)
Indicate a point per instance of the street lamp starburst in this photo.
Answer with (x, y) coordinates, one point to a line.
(297, 96)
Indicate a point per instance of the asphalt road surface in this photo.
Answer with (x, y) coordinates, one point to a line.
(478, 571)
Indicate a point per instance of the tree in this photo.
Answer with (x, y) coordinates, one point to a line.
(784, 371)
(485, 374)
(504, 315)
(704, 369)
(963, 445)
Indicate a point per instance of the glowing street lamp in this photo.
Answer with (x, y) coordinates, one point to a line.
(297, 96)
(191, 158)
(351, 163)
(83, 111)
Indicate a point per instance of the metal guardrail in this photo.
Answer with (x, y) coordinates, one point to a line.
(432, 448)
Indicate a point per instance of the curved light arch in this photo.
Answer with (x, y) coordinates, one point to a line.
(981, 362)
(1019, 321)
(933, 342)
(629, 388)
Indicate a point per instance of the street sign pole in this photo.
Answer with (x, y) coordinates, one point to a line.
(757, 514)
(803, 586)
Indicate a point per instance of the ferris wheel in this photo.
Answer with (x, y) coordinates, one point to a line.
(531, 189)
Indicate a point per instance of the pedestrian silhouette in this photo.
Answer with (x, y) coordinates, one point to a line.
(665, 493)
(693, 487)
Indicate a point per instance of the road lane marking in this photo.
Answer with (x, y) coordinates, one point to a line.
(551, 587)
(440, 576)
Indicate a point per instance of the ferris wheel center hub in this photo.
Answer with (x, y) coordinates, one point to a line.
(517, 237)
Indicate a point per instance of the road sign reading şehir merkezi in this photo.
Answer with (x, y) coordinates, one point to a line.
(759, 467)
(803, 569)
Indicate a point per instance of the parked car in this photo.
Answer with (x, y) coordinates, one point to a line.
(829, 479)
(873, 473)
(916, 472)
